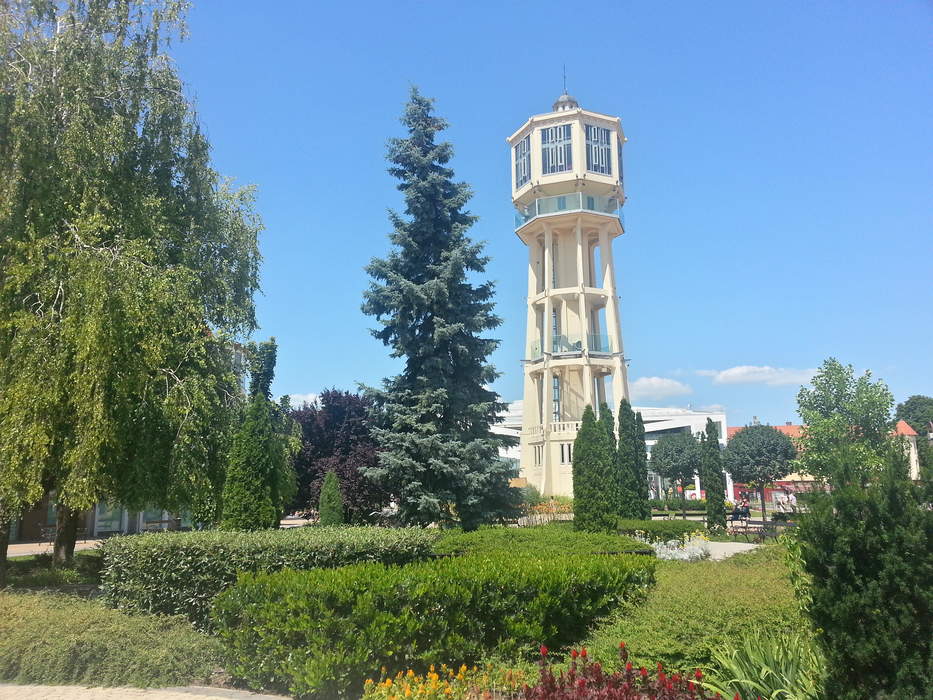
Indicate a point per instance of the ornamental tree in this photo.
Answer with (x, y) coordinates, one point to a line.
(631, 465)
(330, 503)
(595, 479)
(127, 264)
(677, 457)
(713, 477)
(438, 456)
(758, 455)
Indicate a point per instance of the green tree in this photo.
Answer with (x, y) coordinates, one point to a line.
(758, 455)
(847, 421)
(918, 412)
(260, 477)
(595, 482)
(713, 478)
(676, 457)
(439, 457)
(126, 264)
(866, 549)
(631, 464)
(330, 503)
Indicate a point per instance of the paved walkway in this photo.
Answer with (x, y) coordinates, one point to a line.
(724, 550)
(72, 692)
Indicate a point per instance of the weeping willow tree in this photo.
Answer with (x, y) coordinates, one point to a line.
(126, 264)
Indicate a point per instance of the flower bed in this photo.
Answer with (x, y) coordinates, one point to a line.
(662, 530)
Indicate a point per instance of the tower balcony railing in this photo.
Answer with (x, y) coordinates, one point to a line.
(573, 201)
(570, 345)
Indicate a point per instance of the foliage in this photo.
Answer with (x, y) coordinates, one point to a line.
(439, 457)
(758, 455)
(260, 477)
(698, 607)
(322, 633)
(713, 477)
(661, 530)
(181, 573)
(866, 552)
(675, 504)
(330, 505)
(632, 464)
(595, 478)
(766, 665)
(127, 262)
(555, 539)
(531, 497)
(586, 680)
(677, 457)
(94, 646)
(847, 421)
(37, 571)
(446, 683)
(917, 411)
(336, 437)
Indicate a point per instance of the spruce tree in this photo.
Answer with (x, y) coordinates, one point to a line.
(713, 477)
(641, 468)
(595, 486)
(438, 456)
(330, 504)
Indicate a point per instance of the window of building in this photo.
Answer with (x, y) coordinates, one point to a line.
(538, 454)
(598, 150)
(619, 151)
(566, 453)
(523, 161)
(555, 397)
(554, 263)
(556, 150)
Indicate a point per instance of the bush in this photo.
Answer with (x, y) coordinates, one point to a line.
(661, 530)
(699, 607)
(330, 503)
(321, 633)
(677, 504)
(36, 571)
(182, 572)
(544, 540)
(56, 640)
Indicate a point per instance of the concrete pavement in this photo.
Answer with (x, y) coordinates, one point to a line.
(73, 692)
(723, 550)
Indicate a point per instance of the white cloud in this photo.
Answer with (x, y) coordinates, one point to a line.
(656, 388)
(299, 399)
(752, 374)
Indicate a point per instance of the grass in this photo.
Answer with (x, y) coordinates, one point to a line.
(554, 539)
(56, 639)
(36, 571)
(698, 607)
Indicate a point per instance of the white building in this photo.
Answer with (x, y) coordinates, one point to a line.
(567, 189)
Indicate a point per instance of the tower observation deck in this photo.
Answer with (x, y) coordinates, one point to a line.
(568, 194)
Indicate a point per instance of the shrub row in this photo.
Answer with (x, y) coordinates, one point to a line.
(322, 633)
(61, 640)
(553, 539)
(677, 504)
(661, 530)
(181, 573)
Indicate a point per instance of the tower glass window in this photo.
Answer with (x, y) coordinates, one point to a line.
(556, 398)
(523, 161)
(598, 150)
(556, 149)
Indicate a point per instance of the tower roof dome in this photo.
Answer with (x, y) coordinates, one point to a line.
(565, 102)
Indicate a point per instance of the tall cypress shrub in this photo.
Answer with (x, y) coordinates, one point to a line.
(330, 504)
(713, 478)
(626, 464)
(438, 457)
(641, 468)
(594, 506)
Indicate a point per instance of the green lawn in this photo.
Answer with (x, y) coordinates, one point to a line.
(36, 571)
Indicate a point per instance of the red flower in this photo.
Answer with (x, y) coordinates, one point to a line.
(543, 650)
(573, 653)
(583, 652)
(628, 667)
(621, 645)
(644, 674)
(690, 686)
(737, 697)
(698, 674)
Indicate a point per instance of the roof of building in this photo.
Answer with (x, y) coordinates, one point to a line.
(903, 428)
(565, 102)
(794, 431)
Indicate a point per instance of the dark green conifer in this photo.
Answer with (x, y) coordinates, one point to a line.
(439, 457)
(330, 503)
(713, 477)
(631, 464)
(595, 486)
(641, 468)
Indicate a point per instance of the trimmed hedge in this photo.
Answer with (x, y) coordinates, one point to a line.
(661, 530)
(544, 540)
(180, 573)
(55, 639)
(322, 633)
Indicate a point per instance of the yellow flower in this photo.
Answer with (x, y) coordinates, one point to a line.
(410, 674)
(388, 682)
(407, 692)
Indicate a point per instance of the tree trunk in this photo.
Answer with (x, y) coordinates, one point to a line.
(763, 514)
(683, 500)
(66, 534)
(4, 542)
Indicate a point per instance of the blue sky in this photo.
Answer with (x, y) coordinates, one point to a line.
(778, 169)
